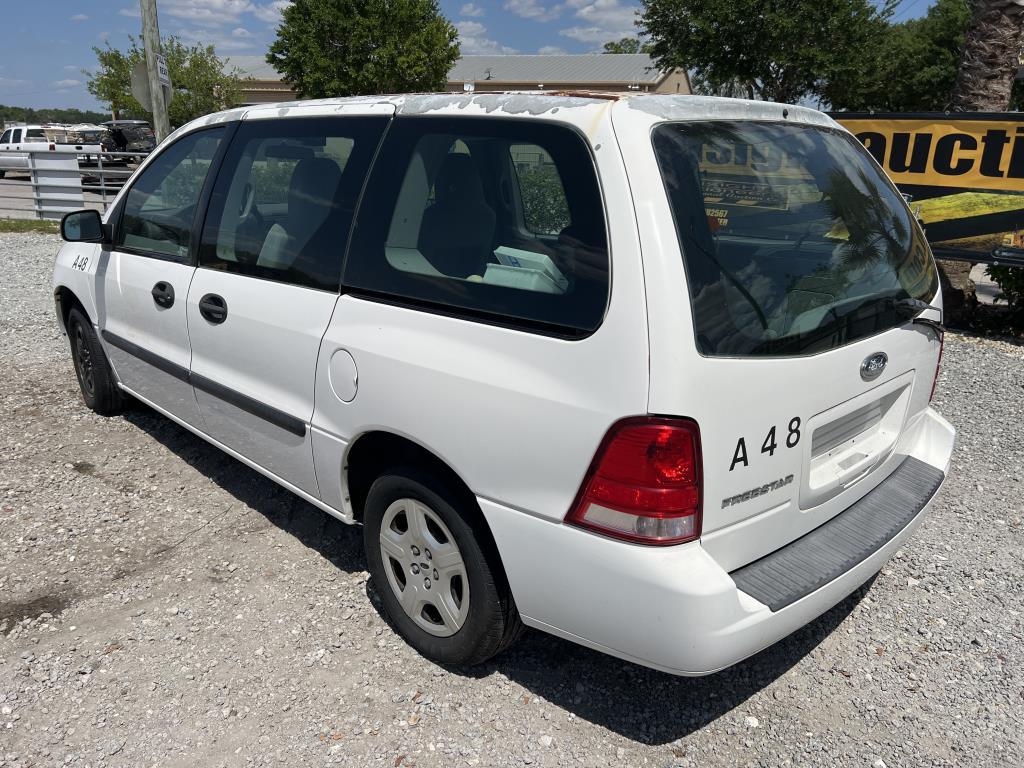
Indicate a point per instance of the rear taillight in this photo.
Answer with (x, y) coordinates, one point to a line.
(938, 365)
(644, 484)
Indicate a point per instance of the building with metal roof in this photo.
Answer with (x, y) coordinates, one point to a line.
(506, 72)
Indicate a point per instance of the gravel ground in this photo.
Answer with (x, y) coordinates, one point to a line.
(161, 604)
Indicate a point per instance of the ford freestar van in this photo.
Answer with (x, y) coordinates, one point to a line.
(649, 373)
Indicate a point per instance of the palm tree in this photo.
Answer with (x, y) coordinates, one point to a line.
(989, 62)
(990, 57)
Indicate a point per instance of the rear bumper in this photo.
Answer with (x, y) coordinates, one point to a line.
(675, 608)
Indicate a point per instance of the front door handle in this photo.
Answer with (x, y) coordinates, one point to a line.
(163, 294)
(213, 308)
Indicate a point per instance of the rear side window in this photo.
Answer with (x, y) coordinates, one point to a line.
(794, 241)
(496, 219)
(283, 202)
(545, 209)
(161, 204)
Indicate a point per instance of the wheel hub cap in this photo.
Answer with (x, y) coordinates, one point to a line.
(83, 359)
(424, 567)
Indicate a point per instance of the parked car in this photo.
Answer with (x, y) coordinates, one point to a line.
(85, 136)
(13, 141)
(131, 136)
(649, 373)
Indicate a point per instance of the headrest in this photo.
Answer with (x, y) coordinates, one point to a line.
(314, 183)
(458, 179)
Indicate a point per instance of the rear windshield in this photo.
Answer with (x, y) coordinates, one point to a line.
(794, 241)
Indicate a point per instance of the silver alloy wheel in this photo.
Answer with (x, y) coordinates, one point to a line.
(424, 567)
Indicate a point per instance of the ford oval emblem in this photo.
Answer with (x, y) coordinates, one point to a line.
(873, 366)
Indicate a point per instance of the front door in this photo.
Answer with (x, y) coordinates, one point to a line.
(10, 157)
(143, 279)
(267, 283)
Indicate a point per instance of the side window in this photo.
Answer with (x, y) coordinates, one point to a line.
(500, 219)
(6, 138)
(545, 209)
(161, 204)
(17, 136)
(35, 135)
(285, 196)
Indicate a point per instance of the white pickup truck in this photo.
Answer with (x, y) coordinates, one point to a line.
(12, 144)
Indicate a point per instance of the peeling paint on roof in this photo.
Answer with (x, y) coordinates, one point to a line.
(509, 103)
(717, 108)
(664, 107)
(619, 69)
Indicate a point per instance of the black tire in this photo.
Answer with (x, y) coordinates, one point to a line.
(2, 174)
(95, 377)
(492, 623)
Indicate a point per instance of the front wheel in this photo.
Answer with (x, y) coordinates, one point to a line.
(95, 377)
(442, 591)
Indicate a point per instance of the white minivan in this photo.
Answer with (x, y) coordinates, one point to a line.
(649, 373)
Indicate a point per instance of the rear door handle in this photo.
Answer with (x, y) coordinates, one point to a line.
(163, 294)
(213, 308)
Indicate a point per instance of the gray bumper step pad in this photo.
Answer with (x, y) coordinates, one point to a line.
(829, 551)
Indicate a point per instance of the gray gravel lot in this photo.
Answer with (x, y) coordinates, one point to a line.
(161, 604)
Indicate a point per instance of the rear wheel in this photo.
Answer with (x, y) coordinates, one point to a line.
(441, 589)
(95, 377)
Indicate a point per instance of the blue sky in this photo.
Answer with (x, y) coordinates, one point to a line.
(44, 46)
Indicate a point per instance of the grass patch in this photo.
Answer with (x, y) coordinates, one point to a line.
(29, 225)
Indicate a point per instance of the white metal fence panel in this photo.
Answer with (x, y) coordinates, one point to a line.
(48, 182)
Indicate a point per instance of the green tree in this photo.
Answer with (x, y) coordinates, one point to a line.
(349, 47)
(990, 56)
(915, 68)
(110, 83)
(201, 84)
(984, 83)
(627, 45)
(782, 51)
(49, 115)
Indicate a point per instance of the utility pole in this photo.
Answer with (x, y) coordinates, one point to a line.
(151, 40)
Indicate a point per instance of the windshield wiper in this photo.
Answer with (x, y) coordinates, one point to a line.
(912, 309)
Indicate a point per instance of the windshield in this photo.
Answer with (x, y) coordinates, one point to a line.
(793, 240)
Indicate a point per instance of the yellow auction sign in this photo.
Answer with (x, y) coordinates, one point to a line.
(963, 174)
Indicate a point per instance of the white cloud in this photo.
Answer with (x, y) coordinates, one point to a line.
(602, 20)
(79, 17)
(551, 50)
(473, 39)
(531, 9)
(67, 83)
(271, 12)
(213, 13)
(589, 34)
(240, 32)
(471, 9)
(223, 41)
(206, 13)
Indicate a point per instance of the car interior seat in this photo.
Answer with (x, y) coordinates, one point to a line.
(312, 193)
(457, 232)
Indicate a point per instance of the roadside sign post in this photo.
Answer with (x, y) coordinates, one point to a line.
(158, 79)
